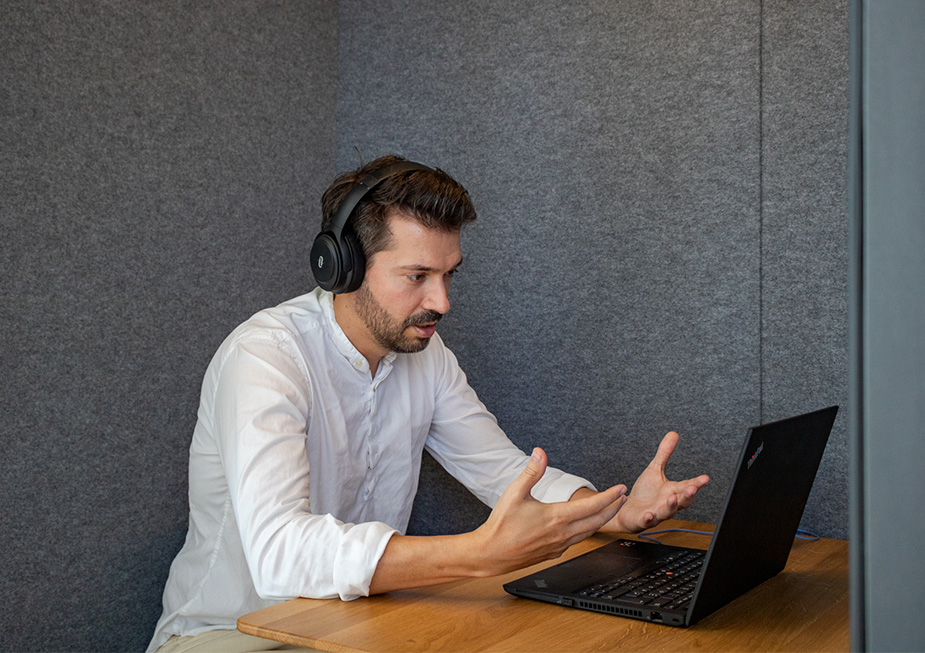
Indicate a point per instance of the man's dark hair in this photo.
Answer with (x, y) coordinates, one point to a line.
(433, 198)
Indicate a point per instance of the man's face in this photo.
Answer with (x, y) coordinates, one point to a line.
(405, 290)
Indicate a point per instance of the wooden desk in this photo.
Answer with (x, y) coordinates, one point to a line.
(804, 608)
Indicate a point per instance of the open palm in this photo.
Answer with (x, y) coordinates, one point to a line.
(653, 498)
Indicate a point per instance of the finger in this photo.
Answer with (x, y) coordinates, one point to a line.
(666, 510)
(582, 517)
(665, 449)
(686, 498)
(611, 498)
(592, 525)
(530, 476)
(649, 520)
(700, 481)
(595, 521)
(691, 487)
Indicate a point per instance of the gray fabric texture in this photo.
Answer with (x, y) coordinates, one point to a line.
(158, 162)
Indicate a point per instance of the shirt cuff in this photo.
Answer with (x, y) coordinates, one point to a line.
(357, 558)
(560, 487)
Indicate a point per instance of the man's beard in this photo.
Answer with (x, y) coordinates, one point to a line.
(388, 332)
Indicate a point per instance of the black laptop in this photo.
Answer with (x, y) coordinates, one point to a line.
(679, 586)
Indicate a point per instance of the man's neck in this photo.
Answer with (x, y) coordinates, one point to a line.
(357, 333)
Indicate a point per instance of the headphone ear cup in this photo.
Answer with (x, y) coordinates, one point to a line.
(353, 261)
(326, 260)
(338, 267)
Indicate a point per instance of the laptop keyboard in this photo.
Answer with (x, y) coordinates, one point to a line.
(670, 586)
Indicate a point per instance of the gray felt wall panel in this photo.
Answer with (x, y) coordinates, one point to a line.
(805, 232)
(158, 161)
(627, 275)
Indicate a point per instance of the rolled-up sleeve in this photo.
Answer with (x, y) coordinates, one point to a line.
(262, 407)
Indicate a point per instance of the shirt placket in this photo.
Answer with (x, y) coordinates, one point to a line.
(372, 453)
(373, 439)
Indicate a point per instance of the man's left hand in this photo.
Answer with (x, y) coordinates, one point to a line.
(653, 497)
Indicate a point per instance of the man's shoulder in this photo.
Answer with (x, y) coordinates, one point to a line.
(298, 314)
(298, 318)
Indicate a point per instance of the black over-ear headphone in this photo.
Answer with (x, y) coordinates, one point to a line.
(337, 257)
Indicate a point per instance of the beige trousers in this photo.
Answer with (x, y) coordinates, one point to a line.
(224, 641)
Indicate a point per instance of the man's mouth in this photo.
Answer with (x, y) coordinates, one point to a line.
(424, 323)
(425, 330)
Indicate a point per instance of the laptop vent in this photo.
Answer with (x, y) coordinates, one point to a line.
(612, 609)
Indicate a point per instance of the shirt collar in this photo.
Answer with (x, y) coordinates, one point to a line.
(343, 344)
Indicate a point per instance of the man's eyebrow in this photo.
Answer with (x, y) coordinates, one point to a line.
(419, 267)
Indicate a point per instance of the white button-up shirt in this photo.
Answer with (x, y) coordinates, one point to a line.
(302, 465)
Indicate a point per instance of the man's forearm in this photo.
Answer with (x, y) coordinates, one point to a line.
(410, 561)
(519, 532)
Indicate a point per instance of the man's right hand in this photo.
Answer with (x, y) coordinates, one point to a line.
(519, 532)
(522, 531)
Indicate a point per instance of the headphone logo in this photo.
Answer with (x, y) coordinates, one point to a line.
(320, 262)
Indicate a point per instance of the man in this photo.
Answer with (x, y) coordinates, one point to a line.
(314, 415)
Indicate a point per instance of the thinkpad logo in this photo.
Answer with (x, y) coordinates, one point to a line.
(751, 461)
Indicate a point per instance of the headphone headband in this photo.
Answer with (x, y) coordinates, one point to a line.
(362, 187)
(337, 258)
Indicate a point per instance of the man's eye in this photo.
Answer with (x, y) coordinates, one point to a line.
(416, 277)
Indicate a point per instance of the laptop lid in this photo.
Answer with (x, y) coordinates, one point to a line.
(774, 475)
(764, 506)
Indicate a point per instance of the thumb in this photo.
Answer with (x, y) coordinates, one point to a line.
(665, 449)
(532, 473)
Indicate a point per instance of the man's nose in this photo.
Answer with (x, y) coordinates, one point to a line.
(438, 297)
